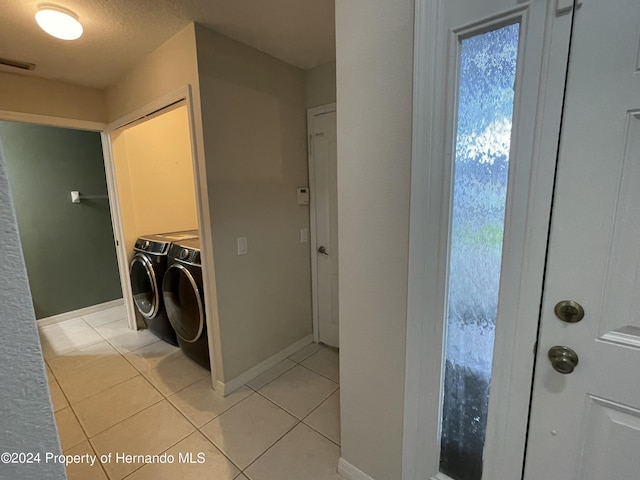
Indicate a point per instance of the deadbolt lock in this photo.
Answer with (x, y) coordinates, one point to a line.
(563, 359)
(569, 311)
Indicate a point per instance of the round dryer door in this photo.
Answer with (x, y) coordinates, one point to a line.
(183, 303)
(146, 295)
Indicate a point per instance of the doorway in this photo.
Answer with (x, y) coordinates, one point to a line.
(68, 245)
(154, 173)
(323, 183)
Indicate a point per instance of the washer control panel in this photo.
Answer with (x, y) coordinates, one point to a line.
(150, 246)
(185, 254)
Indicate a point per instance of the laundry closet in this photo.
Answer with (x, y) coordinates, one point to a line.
(156, 197)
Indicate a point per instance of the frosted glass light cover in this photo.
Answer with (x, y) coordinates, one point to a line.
(59, 24)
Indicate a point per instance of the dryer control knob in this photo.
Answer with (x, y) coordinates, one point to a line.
(145, 245)
(184, 253)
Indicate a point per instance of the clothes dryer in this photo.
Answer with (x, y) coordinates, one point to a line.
(182, 290)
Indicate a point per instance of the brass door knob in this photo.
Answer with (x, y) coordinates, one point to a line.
(569, 311)
(563, 359)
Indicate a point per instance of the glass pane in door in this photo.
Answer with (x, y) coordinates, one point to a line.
(487, 72)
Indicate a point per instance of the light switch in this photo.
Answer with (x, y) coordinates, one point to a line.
(243, 247)
(304, 235)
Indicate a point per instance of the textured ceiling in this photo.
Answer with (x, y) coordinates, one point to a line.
(118, 33)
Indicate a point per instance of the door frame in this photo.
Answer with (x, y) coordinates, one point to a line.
(512, 375)
(202, 206)
(311, 114)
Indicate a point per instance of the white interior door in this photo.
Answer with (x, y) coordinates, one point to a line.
(324, 241)
(586, 424)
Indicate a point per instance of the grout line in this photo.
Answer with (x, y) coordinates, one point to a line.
(273, 379)
(241, 401)
(311, 413)
(123, 420)
(321, 347)
(168, 448)
(279, 406)
(322, 435)
(146, 408)
(104, 389)
(227, 410)
(298, 422)
(318, 373)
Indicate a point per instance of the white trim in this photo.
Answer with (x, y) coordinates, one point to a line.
(623, 336)
(51, 121)
(421, 410)
(149, 109)
(122, 256)
(61, 317)
(313, 245)
(225, 388)
(349, 472)
(205, 226)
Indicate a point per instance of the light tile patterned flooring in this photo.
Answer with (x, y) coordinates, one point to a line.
(116, 390)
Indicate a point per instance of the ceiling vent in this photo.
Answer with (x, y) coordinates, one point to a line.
(17, 64)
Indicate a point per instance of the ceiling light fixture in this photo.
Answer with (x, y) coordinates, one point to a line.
(59, 22)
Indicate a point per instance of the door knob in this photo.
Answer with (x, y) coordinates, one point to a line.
(563, 359)
(322, 250)
(569, 311)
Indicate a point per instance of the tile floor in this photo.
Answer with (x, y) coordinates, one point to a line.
(116, 390)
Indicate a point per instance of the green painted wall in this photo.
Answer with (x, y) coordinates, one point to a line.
(68, 248)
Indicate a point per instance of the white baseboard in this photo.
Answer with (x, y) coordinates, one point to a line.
(349, 472)
(226, 388)
(61, 317)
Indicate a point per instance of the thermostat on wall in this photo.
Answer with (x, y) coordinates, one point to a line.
(303, 196)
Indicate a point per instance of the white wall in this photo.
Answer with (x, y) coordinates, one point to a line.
(25, 94)
(27, 422)
(254, 126)
(320, 84)
(374, 97)
(154, 171)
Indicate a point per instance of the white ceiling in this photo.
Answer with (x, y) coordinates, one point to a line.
(118, 33)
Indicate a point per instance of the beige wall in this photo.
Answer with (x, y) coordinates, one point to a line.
(171, 66)
(154, 171)
(320, 85)
(374, 86)
(38, 96)
(253, 114)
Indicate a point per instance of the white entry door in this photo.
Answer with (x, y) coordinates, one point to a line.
(585, 419)
(324, 222)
